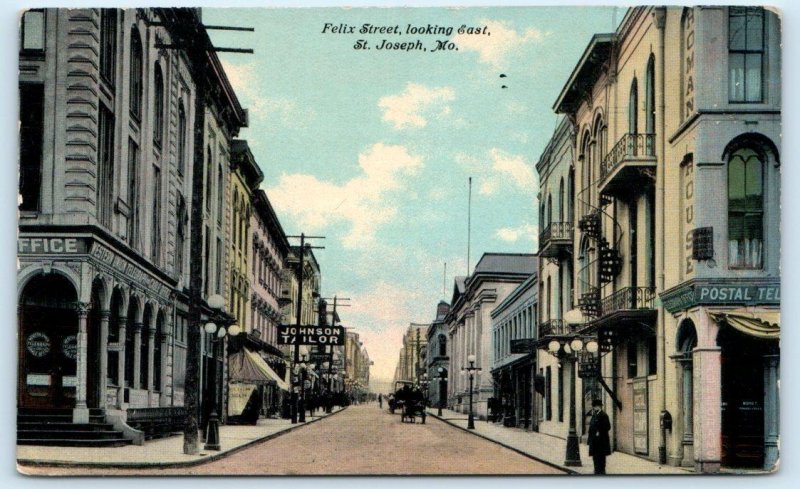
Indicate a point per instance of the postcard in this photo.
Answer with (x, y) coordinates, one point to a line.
(399, 241)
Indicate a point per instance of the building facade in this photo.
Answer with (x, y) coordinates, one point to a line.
(514, 356)
(470, 326)
(677, 184)
(438, 358)
(105, 182)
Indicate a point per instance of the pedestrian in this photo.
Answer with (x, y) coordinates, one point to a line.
(380, 401)
(599, 443)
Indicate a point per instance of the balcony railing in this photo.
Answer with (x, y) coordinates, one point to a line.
(554, 327)
(627, 299)
(556, 231)
(629, 146)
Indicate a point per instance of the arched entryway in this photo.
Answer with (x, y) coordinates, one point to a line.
(686, 342)
(94, 347)
(745, 361)
(48, 350)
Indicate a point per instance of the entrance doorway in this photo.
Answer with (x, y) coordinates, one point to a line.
(742, 397)
(48, 347)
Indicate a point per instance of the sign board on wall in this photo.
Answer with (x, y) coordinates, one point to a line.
(710, 293)
(523, 345)
(310, 335)
(640, 421)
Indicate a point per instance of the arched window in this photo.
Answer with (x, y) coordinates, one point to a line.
(570, 193)
(181, 138)
(745, 209)
(180, 244)
(650, 97)
(220, 193)
(442, 345)
(136, 75)
(633, 115)
(549, 209)
(158, 106)
(561, 200)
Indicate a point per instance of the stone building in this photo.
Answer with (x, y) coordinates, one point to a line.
(438, 359)
(105, 187)
(677, 174)
(470, 326)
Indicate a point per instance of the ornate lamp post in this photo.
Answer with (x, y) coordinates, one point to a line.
(471, 371)
(441, 383)
(216, 302)
(570, 351)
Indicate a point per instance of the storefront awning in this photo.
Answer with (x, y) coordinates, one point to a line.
(761, 324)
(246, 366)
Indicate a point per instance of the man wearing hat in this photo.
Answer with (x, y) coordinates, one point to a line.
(599, 444)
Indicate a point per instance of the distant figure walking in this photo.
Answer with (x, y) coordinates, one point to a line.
(380, 401)
(599, 444)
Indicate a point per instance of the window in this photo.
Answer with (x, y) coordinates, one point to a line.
(32, 30)
(220, 194)
(633, 359)
(745, 209)
(31, 131)
(650, 98)
(219, 266)
(133, 193)
(105, 162)
(180, 244)
(181, 138)
(136, 75)
(157, 354)
(208, 177)
(144, 363)
(548, 392)
(155, 241)
(442, 345)
(158, 106)
(745, 53)
(561, 200)
(633, 115)
(129, 334)
(652, 355)
(561, 395)
(207, 259)
(549, 209)
(108, 44)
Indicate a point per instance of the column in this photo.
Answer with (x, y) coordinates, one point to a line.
(123, 326)
(687, 397)
(81, 412)
(103, 352)
(771, 411)
(166, 363)
(151, 350)
(137, 354)
(707, 389)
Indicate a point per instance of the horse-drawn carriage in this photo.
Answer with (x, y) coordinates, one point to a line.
(409, 400)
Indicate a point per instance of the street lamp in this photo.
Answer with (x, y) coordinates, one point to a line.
(571, 350)
(471, 371)
(441, 383)
(216, 302)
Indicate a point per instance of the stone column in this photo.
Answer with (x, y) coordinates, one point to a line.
(687, 407)
(707, 388)
(103, 352)
(137, 354)
(123, 326)
(81, 412)
(771, 411)
(151, 350)
(166, 364)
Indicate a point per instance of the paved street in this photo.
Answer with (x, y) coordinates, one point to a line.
(359, 440)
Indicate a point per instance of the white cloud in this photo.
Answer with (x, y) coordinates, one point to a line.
(499, 171)
(364, 202)
(525, 232)
(495, 48)
(415, 105)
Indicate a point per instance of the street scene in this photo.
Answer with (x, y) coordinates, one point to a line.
(400, 241)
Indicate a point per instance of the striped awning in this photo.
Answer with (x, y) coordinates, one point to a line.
(761, 324)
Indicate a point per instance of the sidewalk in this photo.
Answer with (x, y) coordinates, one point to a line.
(551, 449)
(164, 452)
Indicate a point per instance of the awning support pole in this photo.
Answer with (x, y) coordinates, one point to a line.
(610, 392)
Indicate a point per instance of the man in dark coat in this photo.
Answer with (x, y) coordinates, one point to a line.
(599, 444)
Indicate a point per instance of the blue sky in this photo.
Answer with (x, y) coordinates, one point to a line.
(373, 149)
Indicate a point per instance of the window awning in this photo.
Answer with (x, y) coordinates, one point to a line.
(247, 366)
(761, 324)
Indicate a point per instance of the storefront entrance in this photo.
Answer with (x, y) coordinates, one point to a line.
(48, 347)
(743, 362)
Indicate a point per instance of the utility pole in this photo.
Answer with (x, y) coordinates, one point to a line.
(192, 38)
(296, 407)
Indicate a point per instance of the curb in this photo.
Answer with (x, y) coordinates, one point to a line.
(513, 449)
(167, 465)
